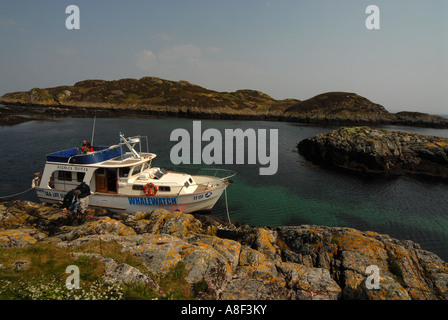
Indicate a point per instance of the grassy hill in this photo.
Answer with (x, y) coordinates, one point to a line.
(159, 96)
(147, 91)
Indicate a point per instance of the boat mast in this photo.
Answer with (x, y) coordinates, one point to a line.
(93, 131)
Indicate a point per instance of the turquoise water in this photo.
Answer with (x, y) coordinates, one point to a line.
(299, 193)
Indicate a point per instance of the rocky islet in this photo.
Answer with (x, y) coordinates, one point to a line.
(378, 151)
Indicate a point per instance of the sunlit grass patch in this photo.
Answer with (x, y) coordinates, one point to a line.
(38, 272)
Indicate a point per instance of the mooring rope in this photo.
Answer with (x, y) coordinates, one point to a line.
(17, 194)
(227, 207)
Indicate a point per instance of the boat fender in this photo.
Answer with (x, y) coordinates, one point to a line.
(150, 189)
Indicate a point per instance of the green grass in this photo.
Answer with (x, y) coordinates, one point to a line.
(43, 276)
(395, 269)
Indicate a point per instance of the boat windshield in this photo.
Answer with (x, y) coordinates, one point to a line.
(137, 170)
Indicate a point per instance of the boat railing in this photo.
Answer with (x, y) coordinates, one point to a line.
(223, 175)
(101, 153)
(70, 155)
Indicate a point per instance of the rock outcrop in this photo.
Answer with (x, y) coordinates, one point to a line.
(336, 107)
(151, 95)
(8, 118)
(238, 262)
(379, 151)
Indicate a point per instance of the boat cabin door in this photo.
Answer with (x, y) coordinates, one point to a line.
(106, 180)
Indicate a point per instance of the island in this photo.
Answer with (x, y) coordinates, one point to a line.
(378, 151)
(156, 96)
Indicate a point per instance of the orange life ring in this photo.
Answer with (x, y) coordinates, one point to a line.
(150, 189)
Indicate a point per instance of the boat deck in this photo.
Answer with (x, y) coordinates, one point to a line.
(201, 188)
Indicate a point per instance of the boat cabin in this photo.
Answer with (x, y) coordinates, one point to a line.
(111, 170)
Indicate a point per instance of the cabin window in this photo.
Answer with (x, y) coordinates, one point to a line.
(160, 188)
(137, 170)
(65, 175)
(63, 180)
(80, 176)
(191, 181)
(124, 172)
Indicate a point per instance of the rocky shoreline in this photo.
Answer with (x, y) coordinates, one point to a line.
(237, 261)
(29, 112)
(377, 151)
(16, 113)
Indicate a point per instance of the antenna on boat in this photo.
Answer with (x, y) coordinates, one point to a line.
(93, 130)
(128, 144)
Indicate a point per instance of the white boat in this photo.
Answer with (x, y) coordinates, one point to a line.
(122, 179)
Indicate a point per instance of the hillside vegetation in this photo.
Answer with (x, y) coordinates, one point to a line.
(152, 95)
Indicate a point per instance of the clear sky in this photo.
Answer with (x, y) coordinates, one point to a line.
(285, 48)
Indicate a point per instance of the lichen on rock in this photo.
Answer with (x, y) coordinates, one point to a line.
(243, 262)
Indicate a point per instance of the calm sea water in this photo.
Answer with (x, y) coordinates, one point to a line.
(404, 208)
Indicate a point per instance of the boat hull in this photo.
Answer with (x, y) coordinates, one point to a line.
(186, 203)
